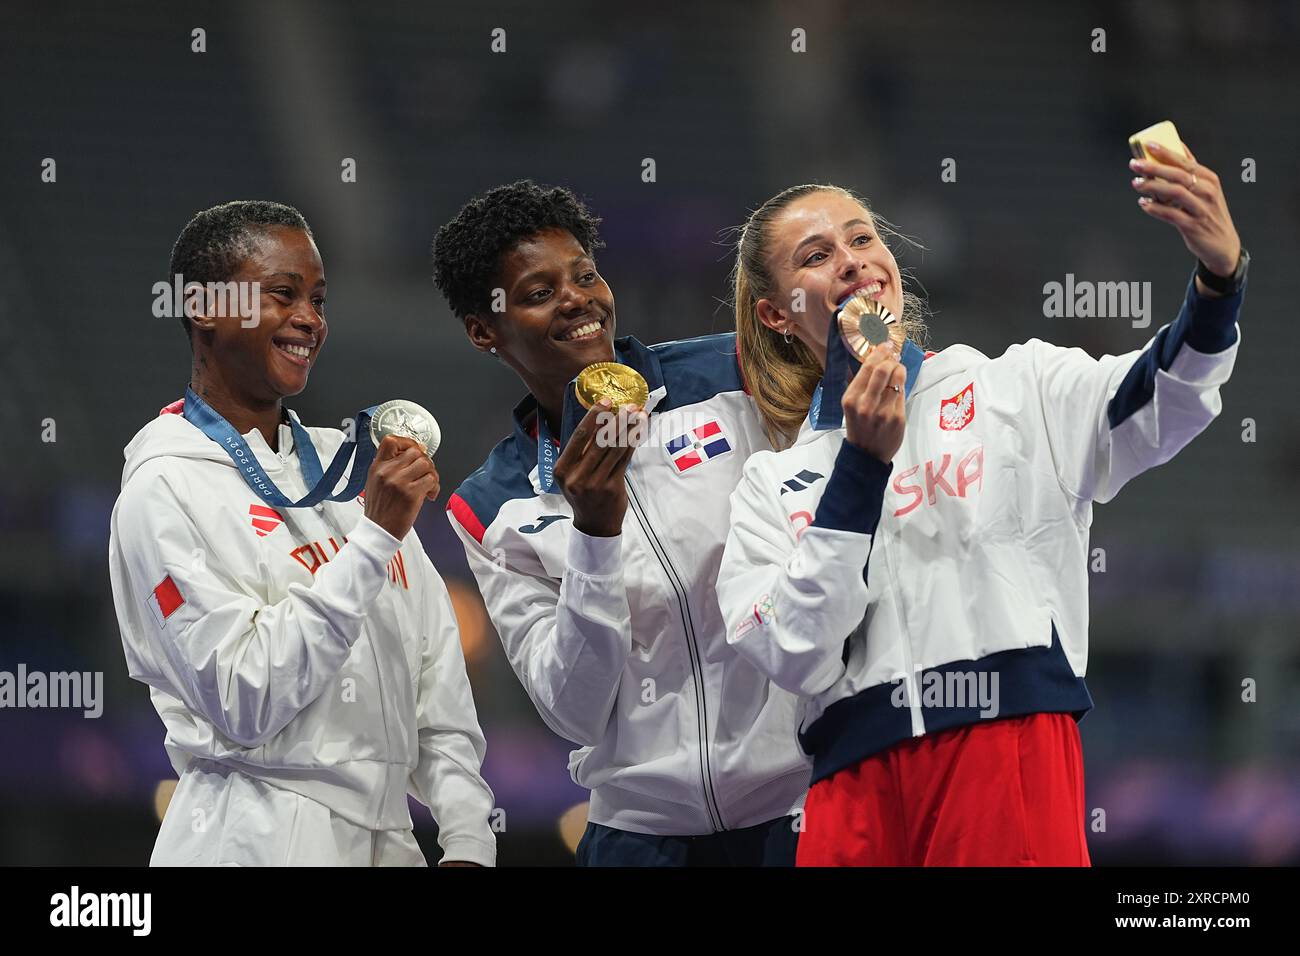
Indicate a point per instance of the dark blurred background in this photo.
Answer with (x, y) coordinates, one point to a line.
(1202, 582)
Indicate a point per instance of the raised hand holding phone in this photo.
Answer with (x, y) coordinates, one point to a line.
(1177, 189)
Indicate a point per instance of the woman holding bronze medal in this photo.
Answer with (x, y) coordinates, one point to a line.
(913, 564)
(596, 550)
(298, 644)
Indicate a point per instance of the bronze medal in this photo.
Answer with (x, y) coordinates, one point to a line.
(865, 322)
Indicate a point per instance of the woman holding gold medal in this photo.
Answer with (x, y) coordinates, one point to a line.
(596, 550)
(299, 646)
(913, 564)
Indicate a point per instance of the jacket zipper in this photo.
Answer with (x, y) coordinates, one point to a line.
(322, 515)
(913, 689)
(697, 667)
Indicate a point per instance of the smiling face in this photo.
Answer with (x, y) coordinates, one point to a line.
(272, 359)
(559, 313)
(825, 244)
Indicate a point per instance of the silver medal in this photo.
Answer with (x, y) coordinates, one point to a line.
(406, 420)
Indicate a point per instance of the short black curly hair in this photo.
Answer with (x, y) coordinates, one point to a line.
(467, 251)
(214, 242)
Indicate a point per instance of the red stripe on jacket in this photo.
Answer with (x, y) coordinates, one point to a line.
(460, 510)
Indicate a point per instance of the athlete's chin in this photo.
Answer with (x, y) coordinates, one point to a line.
(287, 374)
(287, 386)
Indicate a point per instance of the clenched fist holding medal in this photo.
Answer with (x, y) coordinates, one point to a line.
(874, 419)
(402, 476)
(590, 472)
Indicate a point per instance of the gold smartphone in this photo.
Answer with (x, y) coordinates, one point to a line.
(1164, 133)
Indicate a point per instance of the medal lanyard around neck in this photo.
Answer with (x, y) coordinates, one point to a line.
(547, 450)
(839, 371)
(202, 416)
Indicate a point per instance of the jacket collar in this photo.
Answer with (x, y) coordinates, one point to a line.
(533, 437)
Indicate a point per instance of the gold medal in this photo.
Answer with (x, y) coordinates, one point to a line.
(621, 384)
(865, 322)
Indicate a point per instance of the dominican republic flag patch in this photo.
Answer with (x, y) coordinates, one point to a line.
(698, 446)
(164, 600)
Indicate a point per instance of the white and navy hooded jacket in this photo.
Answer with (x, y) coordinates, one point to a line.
(619, 641)
(303, 648)
(908, 598)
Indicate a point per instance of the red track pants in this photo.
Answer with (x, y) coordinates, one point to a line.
(997, 793)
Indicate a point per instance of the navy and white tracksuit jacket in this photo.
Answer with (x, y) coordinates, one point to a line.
(619, 641)
(885, 594)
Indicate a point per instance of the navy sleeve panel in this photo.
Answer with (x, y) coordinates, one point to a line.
(1211, 322)
(854, 492)
(1205, 324)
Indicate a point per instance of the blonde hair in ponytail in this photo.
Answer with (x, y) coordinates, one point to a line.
(782, 376)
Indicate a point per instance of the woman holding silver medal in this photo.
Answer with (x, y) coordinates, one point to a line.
(913, 564)
(298, 645)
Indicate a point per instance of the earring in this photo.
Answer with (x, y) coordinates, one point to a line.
(493, 350)
(786, 334)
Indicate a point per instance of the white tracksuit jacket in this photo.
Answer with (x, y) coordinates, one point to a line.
(619, 641)
(889, 596)
(305, 663)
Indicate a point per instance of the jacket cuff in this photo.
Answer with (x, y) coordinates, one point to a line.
(469, 850)
(855, 491)
(374, 540)
(592, 555)
(1211, 322)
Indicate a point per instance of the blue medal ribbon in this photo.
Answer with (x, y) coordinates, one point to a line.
(842, 366)
(202, 416)
(547, 452)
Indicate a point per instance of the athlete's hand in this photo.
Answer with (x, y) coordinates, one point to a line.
(590, 470)
(873, 404)
(401, 479)
(1192, 201)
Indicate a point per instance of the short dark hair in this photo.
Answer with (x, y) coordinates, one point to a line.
(467, 251)
(214, 243)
